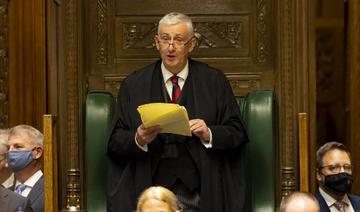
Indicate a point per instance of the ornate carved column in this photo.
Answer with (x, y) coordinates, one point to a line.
(4, 65)
(295, 85)
(72, 97)
(285, 92)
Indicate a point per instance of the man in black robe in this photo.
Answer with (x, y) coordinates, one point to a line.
(206, 170)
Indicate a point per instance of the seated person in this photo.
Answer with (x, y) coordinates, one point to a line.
(157, 199)
(11, 202)
(298, 202)
(7, 179)
(334, 177)
(25, 160)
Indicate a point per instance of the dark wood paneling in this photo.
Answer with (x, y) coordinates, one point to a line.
(353, 64)
(4, 65)
(139, 8)
(27, 92)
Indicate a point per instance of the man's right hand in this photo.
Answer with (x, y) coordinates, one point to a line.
(146, 135)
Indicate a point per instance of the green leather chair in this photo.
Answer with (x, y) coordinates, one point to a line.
(257, 109)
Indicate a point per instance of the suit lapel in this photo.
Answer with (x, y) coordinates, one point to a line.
(322, 203)
(37, 190)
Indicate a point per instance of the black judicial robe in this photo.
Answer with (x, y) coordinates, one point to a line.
(221, 168)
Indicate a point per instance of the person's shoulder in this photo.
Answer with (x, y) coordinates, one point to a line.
(205, 69)
(142, 72)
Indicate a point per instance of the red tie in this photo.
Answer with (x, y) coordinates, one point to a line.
(176, 88)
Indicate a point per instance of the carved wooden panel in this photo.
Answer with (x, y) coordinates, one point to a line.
(234, 37)
(138, 8)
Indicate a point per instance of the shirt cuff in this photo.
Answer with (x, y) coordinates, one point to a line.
(143, 148)
(208, 144)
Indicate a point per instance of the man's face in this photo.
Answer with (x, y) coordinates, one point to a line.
(174, 56)
(334, 162)
(22, 142)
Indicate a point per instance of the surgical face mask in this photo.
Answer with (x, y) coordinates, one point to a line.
(18, 160)
(339, 183)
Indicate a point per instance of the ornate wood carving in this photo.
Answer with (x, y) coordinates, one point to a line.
(243, 83)
(286, 97)
(288, 180)
(113, 82)
(4, 66)
(212, 34)
(139, 35)
(262, 31)
(102, 32)
(71, 66)
(220, 34)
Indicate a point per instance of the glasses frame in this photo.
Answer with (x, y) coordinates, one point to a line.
(348, 168)
(167, 43)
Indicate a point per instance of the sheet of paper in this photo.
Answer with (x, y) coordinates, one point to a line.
(172, 118)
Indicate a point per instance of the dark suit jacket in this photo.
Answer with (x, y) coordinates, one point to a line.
(11, 202)
(36, 196)
(355, 202)
(221, 168)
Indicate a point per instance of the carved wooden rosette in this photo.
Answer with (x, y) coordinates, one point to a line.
(4, 66)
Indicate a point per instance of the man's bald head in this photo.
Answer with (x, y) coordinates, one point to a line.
(298, 202)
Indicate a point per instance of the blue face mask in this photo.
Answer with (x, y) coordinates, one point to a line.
(18, 160)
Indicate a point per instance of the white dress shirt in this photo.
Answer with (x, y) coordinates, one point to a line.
(31, 182)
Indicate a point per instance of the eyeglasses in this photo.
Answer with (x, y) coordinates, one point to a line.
(176, 42)
(336, 168)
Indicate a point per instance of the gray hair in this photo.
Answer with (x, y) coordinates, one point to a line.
(4, 135)
(35, 136)
(174, 18)
(328, 147)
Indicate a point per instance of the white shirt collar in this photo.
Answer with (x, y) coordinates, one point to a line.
(182, 74)
(33, 179)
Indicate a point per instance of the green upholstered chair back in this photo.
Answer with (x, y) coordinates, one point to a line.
(257, 109)
(98, 113)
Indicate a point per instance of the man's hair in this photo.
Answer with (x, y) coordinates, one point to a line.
(158, 193)
(297, 195)
(35, 136)
(4, 135)
(174, 18)
(328, 147)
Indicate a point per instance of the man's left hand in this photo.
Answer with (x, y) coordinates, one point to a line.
(199, 128)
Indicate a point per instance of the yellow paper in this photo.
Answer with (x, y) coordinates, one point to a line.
(172, 118)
